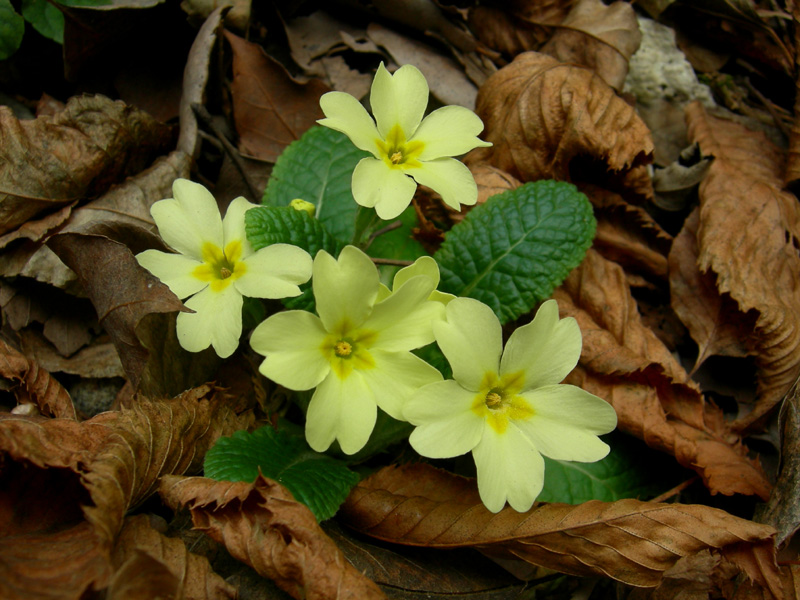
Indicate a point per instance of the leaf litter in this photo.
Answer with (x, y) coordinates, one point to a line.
(76, 186)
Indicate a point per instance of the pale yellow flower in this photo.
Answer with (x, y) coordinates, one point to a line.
(403, 144)
(356, 352)
(508, 407)
(216, 266)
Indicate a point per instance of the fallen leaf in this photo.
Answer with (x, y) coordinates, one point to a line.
(623, 362)
(269, 108)
(541, 114)
(261, 525)
(714, 320)
(519, 26)
(192, 576)
(51, 162)
(676, 184)
(629, 540)
(122, 292)
(491, 181)
(99, 359)
(597, 36)
(34, 384)
(748, 236)
(143, 577)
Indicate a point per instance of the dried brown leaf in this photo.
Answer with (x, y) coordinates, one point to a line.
(600, 37)
(519, 26)
(748, 236)
(191, 574)
(98, 359)
(270, 109)
(629, 540)
(540, 114)
(51, 162)
(261, 525)
(714, 320)
(34, 384)
(143, 577)
(491, 181)
(625, 363)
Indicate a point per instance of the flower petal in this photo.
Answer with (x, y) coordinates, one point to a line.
(424, 265)
(471, 340)
(346, 114)
(398, 99)
(291, 343)
(566, 422)
(509, 469)
(404, 320)
(342, 409)
(447, 426)
(188, 220)
(376, 184)
(450, 178)
(344, 290)
(233, 224)
(275, 272)
(449, 131)
(217, 321)
(395, 377)
(174, 271)
(546, 349)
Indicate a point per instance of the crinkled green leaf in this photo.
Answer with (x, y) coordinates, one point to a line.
(512, 251)
(267, 225)
(318, 168)
(631, 470)
(12, 28)
(45, 18)
(320, 482)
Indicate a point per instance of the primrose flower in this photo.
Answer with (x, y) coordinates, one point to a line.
(424, 266)
(405, 145)
(356, 352)
(216, 266)
(508, 407)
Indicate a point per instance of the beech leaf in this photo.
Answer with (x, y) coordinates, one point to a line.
(261, 525)
(630, 541)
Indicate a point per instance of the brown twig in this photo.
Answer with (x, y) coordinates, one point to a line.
(392, 261)
(675, 491)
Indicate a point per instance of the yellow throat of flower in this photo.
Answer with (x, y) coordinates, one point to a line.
(397, 152)
(498, 401)
(220, 267)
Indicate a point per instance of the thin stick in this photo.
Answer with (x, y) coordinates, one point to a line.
(392, 261)
(382, 230)
(232, 152)
(674, 491)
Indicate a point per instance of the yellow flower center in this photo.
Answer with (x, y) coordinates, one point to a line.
(397, 152)
(498, 401)
(220, 267)
(347, 348)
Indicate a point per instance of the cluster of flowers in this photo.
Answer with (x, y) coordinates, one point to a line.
(507, 407)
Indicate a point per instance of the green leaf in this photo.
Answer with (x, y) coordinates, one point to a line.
(320, 482)
(399, 243)
(45, 18)
(631, 470)
(12, 28)
(318, 168)
(267, 225)
(512, 251)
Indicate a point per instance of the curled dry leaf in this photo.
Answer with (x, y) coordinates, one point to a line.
(631, 541)
(101, 467)
(623, 362)
(191, 575)
(540, 114)
(492, 181)
(263, 526)
(35, 384)
(270, 109)
(143, 577)
(519, 26)
(748, 236)
(597, 36)
(80, 152)
(713, 319)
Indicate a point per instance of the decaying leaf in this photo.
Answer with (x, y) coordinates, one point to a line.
(101, 468)
(623, 362)
(631, 541)
(270, 109)
(713, 319)
(262, 525)
(35, 384)
(748, 236)
(519, 26)
(597, 36)
(540, 114)
(192, 576)
(51, 162)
